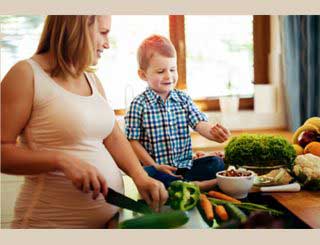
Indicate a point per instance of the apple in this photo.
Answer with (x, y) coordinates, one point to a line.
(306, 137)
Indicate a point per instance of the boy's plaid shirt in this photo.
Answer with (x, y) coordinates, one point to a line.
(163, 128)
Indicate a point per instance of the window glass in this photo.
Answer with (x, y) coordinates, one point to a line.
(219, 55)
(19, 37)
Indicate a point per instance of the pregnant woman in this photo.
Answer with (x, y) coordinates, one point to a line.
(59, 131)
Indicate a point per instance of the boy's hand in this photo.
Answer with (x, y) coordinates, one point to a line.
(219, 133)
(168, 170)
(199, 154)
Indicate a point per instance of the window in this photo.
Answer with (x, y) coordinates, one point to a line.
(19, 37)
(255, 52)
(219, 58)
(117, 68)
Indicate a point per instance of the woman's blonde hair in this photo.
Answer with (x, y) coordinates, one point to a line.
(67, 39)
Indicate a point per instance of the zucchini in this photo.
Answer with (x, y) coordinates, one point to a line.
(235, 212)
(165, 220)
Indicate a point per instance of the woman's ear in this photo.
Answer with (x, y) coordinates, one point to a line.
(142, 74)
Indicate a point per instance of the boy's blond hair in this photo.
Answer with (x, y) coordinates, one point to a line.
(150, 46)
(67, 38)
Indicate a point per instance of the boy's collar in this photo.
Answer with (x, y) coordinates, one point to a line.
(153, 96)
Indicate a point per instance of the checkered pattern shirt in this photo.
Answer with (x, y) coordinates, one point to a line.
(163, 127)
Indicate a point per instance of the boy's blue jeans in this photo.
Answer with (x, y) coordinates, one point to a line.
(202, 169)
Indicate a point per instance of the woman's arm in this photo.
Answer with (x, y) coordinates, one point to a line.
(142, 154)
(119, 147)
(17, 91)
(16, 104)
(151, 190)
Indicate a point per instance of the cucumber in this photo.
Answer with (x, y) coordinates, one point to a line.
(165, 220)
(235, 212)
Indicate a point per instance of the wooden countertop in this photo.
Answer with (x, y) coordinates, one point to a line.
(200, 143)
(304, 204)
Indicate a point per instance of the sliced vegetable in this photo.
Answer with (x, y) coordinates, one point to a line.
(223, 196)
(207, 207)
(166, 220)
(235, 212)
(183, 195)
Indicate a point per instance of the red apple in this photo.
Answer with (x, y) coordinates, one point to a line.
(306, 137)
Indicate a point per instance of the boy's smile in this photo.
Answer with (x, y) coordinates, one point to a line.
(161, 74)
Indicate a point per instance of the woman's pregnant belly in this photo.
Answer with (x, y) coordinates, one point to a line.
(52, 201)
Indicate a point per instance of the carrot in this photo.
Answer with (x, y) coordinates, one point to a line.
(207, 207)
(221, 212)
(222, 196)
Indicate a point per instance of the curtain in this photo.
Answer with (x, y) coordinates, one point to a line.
(300, 38)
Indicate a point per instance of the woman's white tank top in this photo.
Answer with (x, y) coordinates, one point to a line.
(74, 124)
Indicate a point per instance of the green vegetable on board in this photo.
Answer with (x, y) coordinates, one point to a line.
(183, 195)
(167, 220)
(247, 206)
(235, 212)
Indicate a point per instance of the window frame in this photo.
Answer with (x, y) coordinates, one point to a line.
(261, 49)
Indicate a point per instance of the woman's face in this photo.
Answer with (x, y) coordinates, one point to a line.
(100, 36)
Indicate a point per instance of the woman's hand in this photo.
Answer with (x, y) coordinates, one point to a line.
(167, 169)
(83, 175)
(152, 191)
(219, 133)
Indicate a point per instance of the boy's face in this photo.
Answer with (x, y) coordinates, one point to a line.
(161, 74)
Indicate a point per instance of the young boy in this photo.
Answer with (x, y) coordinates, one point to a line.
(157, 123)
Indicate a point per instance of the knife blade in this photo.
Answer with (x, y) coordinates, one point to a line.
(115, 198)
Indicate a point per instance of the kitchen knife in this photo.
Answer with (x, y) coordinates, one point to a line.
(115, 198)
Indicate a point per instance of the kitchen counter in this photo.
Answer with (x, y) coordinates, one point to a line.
(305, 205)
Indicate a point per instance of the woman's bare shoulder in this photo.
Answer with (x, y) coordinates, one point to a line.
(18, 78)
(21, 68)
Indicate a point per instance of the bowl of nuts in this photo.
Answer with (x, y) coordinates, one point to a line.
(236, 183)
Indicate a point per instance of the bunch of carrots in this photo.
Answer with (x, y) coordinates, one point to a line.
(211, 208)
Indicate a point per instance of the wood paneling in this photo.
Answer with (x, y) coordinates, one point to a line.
(177, 36)
(261, 48)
